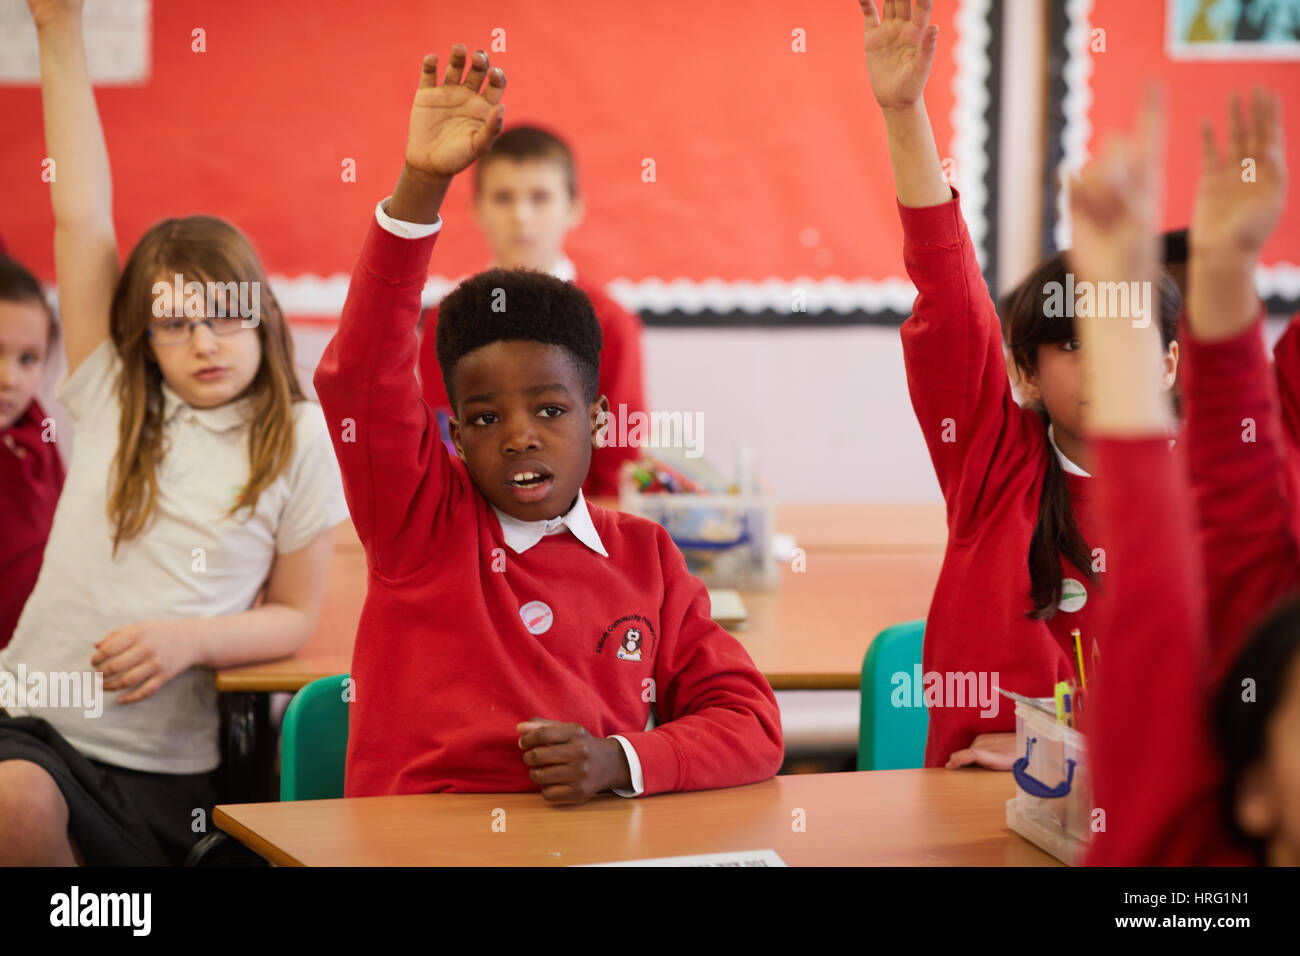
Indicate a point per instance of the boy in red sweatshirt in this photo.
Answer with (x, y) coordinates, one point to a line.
(526, 200)
(487, 653)
(31, 472)
(1168, 795)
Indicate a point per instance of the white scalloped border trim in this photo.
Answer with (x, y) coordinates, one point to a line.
(970, 128)
(1077, 73)
(1280, 279)
(310, 295)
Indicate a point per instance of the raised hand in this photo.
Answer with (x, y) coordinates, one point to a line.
(1240, 195)
(453, 123)
(1115, 204)
(900, 46)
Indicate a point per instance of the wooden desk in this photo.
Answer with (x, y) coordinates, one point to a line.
(882, 817)
(889, 527)
(810, 633)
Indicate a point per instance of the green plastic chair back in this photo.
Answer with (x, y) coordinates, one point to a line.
(890, 737)
(314, 741)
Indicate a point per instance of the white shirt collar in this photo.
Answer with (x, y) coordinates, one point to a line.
(222, 418)
(564, 268)
(522, 535)
(1069, 467)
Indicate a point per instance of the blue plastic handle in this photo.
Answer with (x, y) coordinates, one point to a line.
(1032, 785)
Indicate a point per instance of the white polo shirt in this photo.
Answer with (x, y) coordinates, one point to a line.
(194, 560)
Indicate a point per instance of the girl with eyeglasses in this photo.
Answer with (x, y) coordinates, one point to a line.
(202, 480)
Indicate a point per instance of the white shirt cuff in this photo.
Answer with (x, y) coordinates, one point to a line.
(404, 230)
(634, 764)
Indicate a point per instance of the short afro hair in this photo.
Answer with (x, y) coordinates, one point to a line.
(503, 305)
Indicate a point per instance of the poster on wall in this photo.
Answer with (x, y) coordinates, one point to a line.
(1233, 29)
(730, 154)
(1103, 53)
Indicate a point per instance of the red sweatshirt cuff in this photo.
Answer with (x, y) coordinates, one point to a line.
(393, 259)
(940, 225)
(662, 763)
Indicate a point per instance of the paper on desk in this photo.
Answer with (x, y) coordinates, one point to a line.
(737, 858)
(726, 606)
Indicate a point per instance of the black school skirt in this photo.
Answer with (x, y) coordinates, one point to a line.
(116, 816)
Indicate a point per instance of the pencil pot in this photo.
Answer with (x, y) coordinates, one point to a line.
(726, 539)
(1052, 807)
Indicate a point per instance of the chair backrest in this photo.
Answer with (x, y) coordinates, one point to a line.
(314, 741)
(892, 737)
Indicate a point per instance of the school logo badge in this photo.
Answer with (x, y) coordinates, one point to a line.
(630, 634)
(629, 649)
(537, 617)
(1073, 595)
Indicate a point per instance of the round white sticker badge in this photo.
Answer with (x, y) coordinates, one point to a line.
(1073, 595)
(537, 617)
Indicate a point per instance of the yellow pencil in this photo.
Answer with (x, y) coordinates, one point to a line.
(1078, 653)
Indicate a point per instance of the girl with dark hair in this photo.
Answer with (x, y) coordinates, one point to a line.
(1022, 567)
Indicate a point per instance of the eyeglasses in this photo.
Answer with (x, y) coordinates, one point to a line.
(180, 331)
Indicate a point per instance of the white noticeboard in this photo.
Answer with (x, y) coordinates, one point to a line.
(117, 42)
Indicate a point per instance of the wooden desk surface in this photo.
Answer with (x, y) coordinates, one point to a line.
(826, 526)
(809, 633)
(882, 817)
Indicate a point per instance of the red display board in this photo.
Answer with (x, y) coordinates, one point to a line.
(769, 155)
(1145, 42)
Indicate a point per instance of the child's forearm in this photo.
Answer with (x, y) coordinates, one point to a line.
(81, 190)
(418, 196)
(918, 172)
(264, 633)
(1221, 298)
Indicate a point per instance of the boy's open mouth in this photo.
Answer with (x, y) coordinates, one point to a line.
(529, 485)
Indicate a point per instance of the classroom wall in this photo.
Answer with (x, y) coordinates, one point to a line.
(825, 411)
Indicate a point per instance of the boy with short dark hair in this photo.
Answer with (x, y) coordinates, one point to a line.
(487, 657)
(526, 200)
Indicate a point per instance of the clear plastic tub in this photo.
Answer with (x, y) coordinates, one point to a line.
(1052, 807)
(726, 539)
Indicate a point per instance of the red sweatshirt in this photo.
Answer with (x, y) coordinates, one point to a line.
(990, 458)
(31, 477)
(1286, 368)
(620, 379)
(444, 666)
(1185, 601)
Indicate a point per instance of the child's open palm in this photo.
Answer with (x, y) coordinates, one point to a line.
(1241, 194)
(453, 123)
(900, 48)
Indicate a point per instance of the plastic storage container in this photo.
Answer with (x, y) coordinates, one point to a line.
(1052, 807)
(726, 539)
